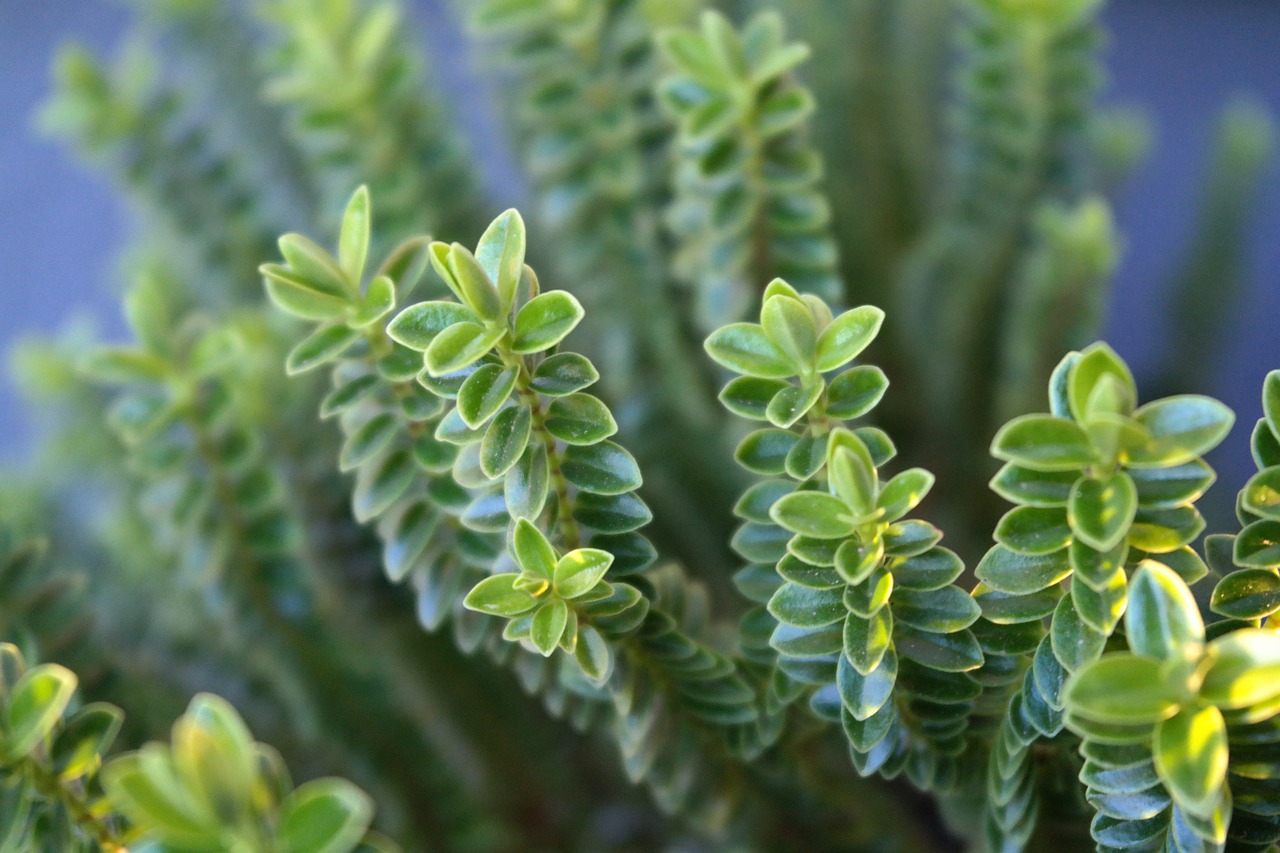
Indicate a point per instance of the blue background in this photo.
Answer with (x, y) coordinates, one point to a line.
(1181, 60)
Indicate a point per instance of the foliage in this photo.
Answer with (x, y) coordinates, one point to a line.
(359, 499)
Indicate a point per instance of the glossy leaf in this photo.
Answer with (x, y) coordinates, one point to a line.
(1162, 619)
(545, 321)
(1100, 511)
(1191, 757)
(1043, 443)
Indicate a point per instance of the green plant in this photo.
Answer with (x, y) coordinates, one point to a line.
(271, 491)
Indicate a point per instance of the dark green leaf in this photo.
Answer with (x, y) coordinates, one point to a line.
(604, 468)
(932, 569)
(1261, 494)
(957, 652)
(563, 373)
(867, 640)
(940, 611)
(749, 396)
(1010, 572)
(505, 441)
(580, 419)
(1162, 488)
(1258, 545)
(792, 403)
(379, 486)
(1034, 530)
(904, 492)
(765, 451)
(611, 513)
(1075, 643)
(1247, 594)
(805, 607)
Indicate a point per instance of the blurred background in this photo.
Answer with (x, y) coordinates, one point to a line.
(1181, 61)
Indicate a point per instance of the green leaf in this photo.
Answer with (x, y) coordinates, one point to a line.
(484, 392)
(563, 373)
(548, 626)
(1100, 511)
(1103, 604)
(367, 441)
(1034, 530)
(1096, 363)
(792, 403)
(418, 325)
(468, 280)
(527, 484)
(580, 419)
(805, 607)
(1122, 688)
(930, 569)
(1164, 488)
(505, 440)
(532, 550)
(1261, 494)
(855, 561)
(1162, 619)
(593, 655)
(500, 254)
(1181, 428)
(1015, 573)
(145, 786)
(856, 391)
(765, 451)
(744, 348)
(789, 324)
(939, 611)
(378, 301)
(406, 263)
(459, 346)
(749, 396)
(80, 746)
(578, 572)
(214, 751)
(1033, 488)
(545, 321)
(814, 514)
(1247, 594)
(310, 263)
(353, 237)
(604, 468)
(295, 295)
(324, 816)
(1043, 443)
(867, 640)
(497, 595)
(1258, 545)
(320, 347)
(869, 594)
(904, 493)
(381, 485)
(1245, 669)
(956, 652)
(846, 337)
(611, 513)
(1075, 643)
(35, 706)
(1190, 753)
(852, 473)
